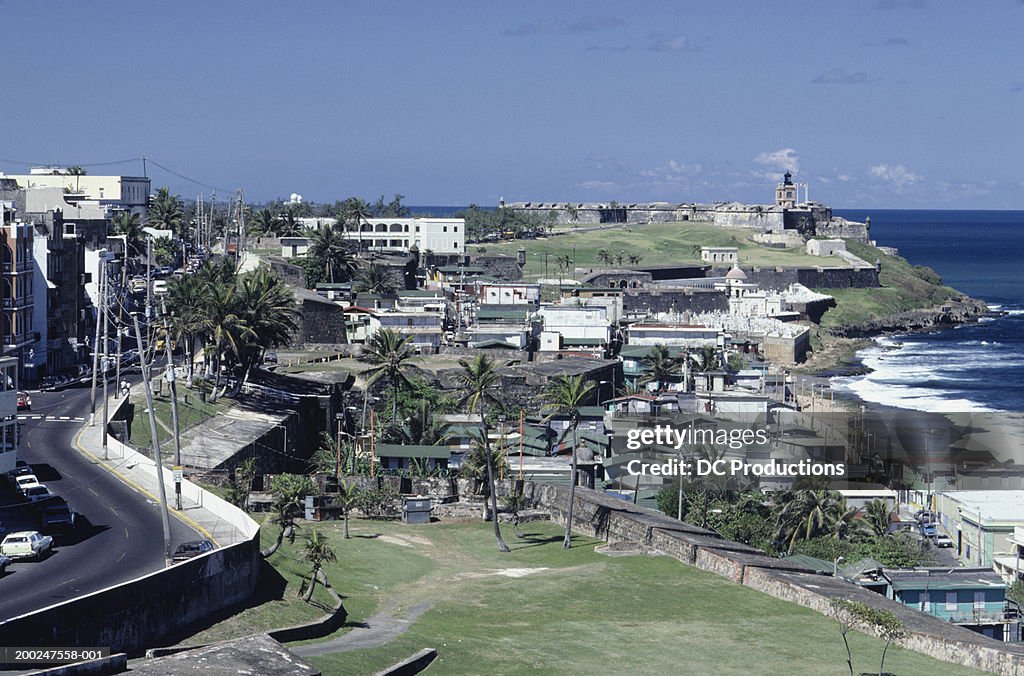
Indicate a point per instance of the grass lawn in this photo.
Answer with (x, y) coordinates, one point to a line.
(541, 608)
(904, 287)
(658, 243)
(190, 413)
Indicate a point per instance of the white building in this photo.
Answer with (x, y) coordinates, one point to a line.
(679, 335)
(438, 235)
(509, 293)
(424, 327)
(825, 247)
(573, 326)
(130, 193)
(719, 254)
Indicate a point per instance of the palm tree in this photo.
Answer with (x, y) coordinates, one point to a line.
(375, 279)
(185, 297)
(288, 225)
(166, 213)
(565, 396)
(634, 259)
(804, 516)
(317, 551)
(389, 353)
(604, 256)
(478, 379)
(878, 517)
(330, 251)
(422, 429)
(128, 223)
(660, 365)
(267, 307)
(222, 324)
(262, 222)
(348, 495)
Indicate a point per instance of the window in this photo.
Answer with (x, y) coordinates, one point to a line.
(979, 600)
(951, 600)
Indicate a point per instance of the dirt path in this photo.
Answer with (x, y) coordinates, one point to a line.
(382, 628)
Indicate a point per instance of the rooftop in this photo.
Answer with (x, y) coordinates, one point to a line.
(990, 505)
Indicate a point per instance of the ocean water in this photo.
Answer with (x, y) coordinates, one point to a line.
(971, 368)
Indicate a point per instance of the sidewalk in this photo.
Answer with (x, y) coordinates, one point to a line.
(199, 508)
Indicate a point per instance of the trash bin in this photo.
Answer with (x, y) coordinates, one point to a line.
(416, 510)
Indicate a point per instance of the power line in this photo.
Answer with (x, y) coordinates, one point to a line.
(186, 178)
(91, 164)
(150, 160)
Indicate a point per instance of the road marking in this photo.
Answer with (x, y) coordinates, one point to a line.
(94, 492)
(181, 517)
(65, 417)
(126, 535)
(121, 558)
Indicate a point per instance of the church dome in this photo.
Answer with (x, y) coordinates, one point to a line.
(736, 273)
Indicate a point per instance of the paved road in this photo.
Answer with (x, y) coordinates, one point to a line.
(120, 536)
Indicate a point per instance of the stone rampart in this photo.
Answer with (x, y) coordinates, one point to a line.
(614, 520)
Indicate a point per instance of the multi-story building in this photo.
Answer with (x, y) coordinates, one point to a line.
(8, 413)
(423, 327)
(437, 235)
(17, 267)
(982, 524)
(574, 326)
(116, 193)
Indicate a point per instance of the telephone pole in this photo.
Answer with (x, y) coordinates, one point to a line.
(156, 444)
(106, 355)
(100, 282)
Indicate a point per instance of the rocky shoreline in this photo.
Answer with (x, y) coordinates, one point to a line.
(837, 353)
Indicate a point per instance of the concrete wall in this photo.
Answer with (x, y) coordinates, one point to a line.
(614, 520)
(136, 614)
(778, 279)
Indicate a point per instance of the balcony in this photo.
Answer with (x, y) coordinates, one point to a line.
(14, 303)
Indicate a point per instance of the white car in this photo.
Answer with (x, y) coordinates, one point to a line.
(943, 541)
(26, 544)
(26, 481)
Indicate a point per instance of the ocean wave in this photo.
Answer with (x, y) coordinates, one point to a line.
(903, 396)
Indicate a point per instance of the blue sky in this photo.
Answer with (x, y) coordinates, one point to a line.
(880, 103)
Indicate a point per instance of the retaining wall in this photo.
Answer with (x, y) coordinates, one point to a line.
(614, 520)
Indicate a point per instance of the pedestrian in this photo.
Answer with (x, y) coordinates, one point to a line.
(125, 387)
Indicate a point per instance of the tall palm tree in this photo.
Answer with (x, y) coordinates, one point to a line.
(660, 365)
(167, 213)
(185, 296)
(878, 517)
(317, 551)
(605, 256)
(268, 309)
(375, 278)
(564, 396)
(478, 379)
(388, 352)
(348, 495)
(222, 324)
(330, 251)
(129, 224)
(262, 222)
(845, 521)
(804, 517)
(288, 224)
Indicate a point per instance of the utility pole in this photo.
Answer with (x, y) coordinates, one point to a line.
(156, 445)
(241, 224)
(120, 308)
(174, 406)
(149, 285)
(101, 272)
(106, 356)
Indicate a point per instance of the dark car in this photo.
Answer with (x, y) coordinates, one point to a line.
(189, 550)
(4, 562)
(21, 468)
(55, 515)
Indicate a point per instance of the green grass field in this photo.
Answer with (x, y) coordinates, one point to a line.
(657, 243)
(541, 608)
(904, 287)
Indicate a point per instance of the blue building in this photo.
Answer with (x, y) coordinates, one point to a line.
(974, 598)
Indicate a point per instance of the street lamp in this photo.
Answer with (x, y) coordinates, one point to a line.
(835, 566)
(599, 384)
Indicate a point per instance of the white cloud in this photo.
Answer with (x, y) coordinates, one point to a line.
(599, 185)
(895, 174)
(786, 158)
(670, 43)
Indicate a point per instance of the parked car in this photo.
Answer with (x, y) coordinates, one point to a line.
(25, 481)
(36, 493)
(160, 287)
(26, 544)
(189, 550)
(4, 562)
(137, 285)
(56, 516)
(924, 516)
(21, 468)
(24, 401)
(943, 541)
(928, 530)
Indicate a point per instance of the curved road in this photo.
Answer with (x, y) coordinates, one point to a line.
(119, 535)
